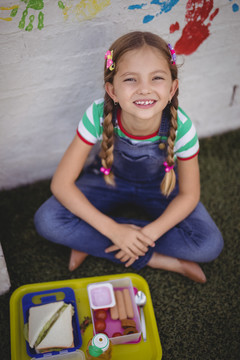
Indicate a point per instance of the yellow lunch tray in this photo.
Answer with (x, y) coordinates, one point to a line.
(150, 349)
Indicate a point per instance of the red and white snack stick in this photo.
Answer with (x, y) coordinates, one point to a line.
(128, 303)
(121, 305)
(114, 310)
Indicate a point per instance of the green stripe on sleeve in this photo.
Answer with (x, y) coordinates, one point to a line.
(88, 125)
(189, 144)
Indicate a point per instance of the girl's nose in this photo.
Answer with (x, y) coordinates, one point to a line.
(144, 91)
(144, 88)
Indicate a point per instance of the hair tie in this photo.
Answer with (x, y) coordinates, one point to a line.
(105, 171)
(109, 57)
(167, 167)
(173, 54)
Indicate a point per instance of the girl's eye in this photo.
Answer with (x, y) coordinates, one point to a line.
(158, 78)
(130, 79)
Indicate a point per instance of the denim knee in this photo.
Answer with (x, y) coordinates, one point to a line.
(41, 222)
(212, 246)
(46, 221)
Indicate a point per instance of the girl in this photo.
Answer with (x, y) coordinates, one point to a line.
(149, 157)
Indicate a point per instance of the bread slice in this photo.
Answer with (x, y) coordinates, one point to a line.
(60, 334)
(38, 317)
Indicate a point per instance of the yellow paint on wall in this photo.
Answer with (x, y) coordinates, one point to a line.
(68, 6)
(9, 8)
(85, 9)
(6, 19)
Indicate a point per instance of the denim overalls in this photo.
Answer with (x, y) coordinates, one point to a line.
(138, 170)
(142, 162)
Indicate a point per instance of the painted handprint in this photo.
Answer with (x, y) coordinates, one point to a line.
(164, 7)
(36, 5)
(84, 9)
(80, 10)
(199, 16)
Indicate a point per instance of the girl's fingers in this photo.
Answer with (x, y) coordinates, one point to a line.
(143, 248)
(121, 254)
(146, 240)
(130, 262)
(138, 251)
(125, 258)
(135, 227)
(111, 248)
(128, 251)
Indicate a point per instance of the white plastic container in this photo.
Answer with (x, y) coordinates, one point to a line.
(101, 295)
(76, 355)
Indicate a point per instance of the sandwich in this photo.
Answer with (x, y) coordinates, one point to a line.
(49, 327)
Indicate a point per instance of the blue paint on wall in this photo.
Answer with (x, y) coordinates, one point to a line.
(133, 7)
(165, 6)
(148, 18)
(235, 7)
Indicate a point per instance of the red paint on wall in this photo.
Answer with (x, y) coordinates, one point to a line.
(196, 30)
(214, 14)
(174, 27)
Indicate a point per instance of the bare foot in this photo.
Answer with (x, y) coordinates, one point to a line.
(76, 259)
(187, 268)
(193, 271)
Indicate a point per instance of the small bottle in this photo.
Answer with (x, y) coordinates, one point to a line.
(99, 347)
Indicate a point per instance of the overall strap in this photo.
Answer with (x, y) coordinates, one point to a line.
(114, 116)
(165, 122)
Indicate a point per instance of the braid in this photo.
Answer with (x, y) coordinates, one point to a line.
(169, 180)
(107, 139)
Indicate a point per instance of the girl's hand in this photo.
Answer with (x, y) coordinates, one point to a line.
(131, 240)
(121, 255)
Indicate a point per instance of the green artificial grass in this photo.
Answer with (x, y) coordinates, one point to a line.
(195, 321)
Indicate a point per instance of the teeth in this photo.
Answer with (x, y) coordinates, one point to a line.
(148, 102)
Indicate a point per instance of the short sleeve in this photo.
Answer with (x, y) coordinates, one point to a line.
(89, 127)
(186, 144)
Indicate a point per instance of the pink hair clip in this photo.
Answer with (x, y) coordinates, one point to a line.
(109, 64)
(167, 167)
(173, 54)
(105, 171)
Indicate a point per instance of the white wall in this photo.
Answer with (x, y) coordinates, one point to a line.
(48, 77)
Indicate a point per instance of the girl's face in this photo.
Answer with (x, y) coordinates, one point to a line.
(142, 86)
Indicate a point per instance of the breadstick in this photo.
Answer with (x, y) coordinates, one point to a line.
(114, 310)
(128, 303)
(120, 304)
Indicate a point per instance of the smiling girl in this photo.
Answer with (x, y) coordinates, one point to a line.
(148, 158)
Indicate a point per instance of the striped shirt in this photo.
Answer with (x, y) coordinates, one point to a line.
(90, 129)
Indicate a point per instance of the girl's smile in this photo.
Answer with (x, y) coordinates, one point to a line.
(144, 104)
(143, 87)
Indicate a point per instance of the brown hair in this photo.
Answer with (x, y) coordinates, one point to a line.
(128, 42)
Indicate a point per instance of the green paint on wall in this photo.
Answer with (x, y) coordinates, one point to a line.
(61, 5)
(35, 5)
(40, 20)
(30, 25)
(14, 12)
(22, 21)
